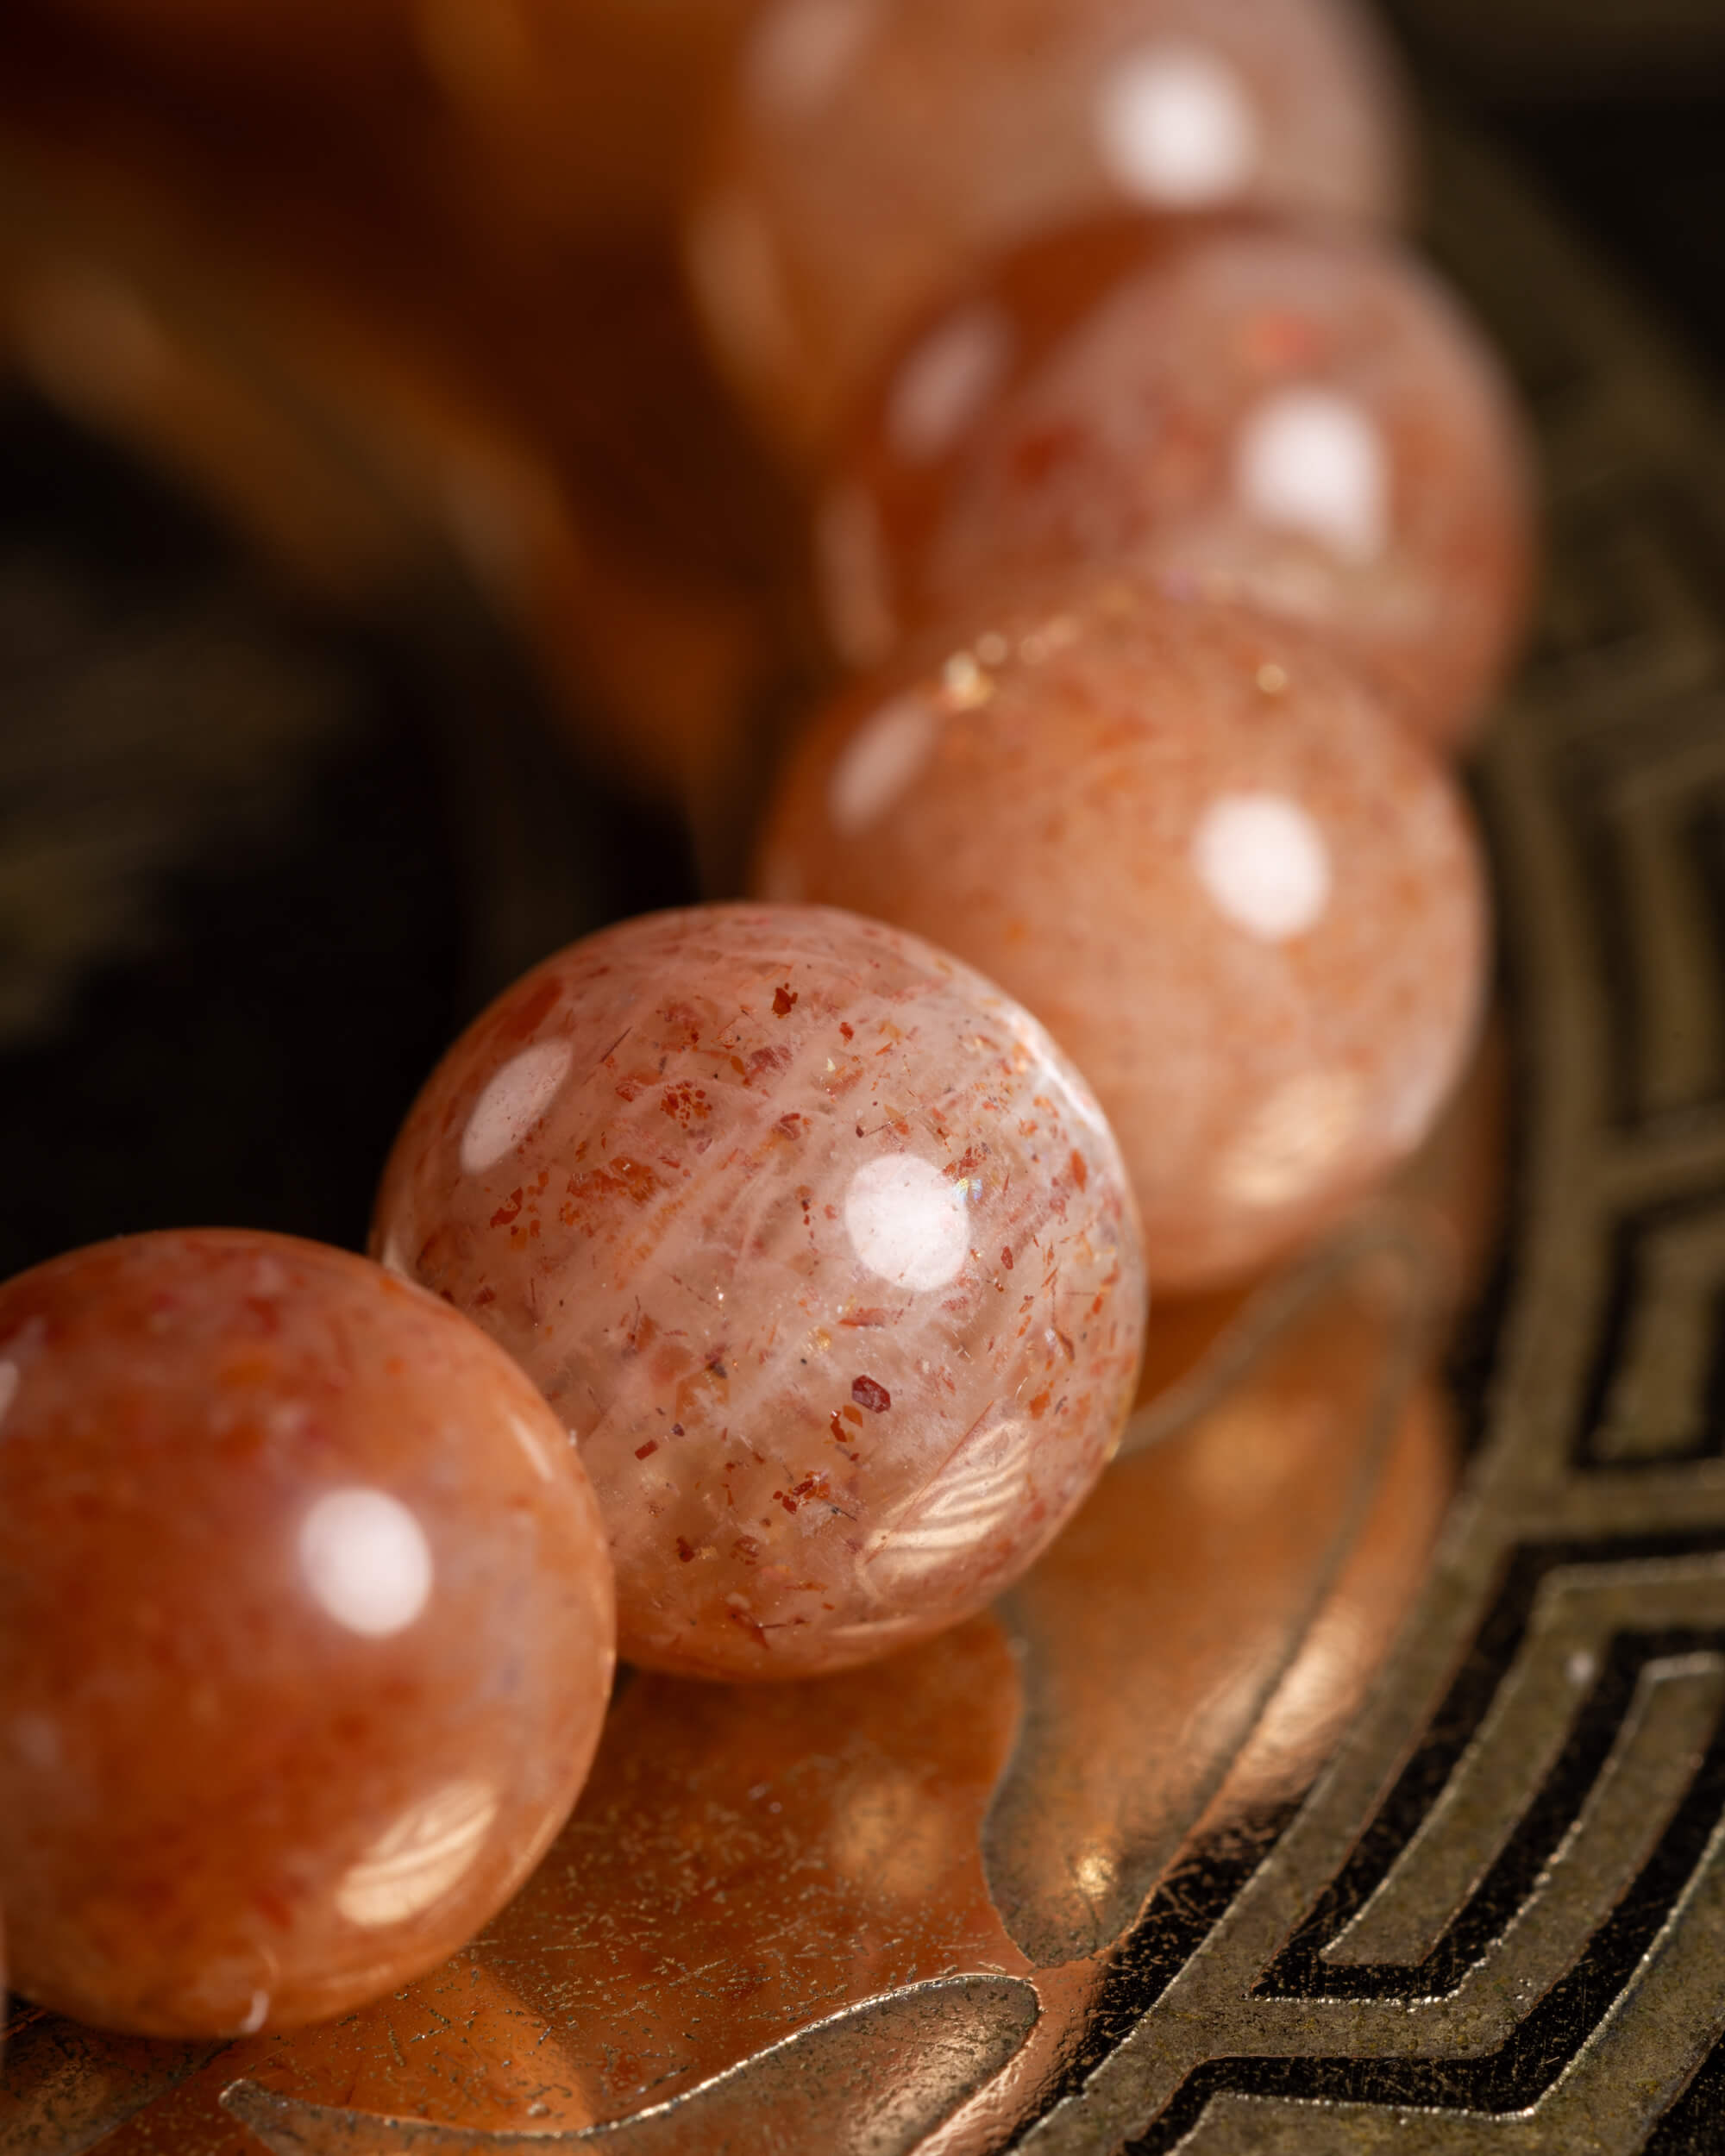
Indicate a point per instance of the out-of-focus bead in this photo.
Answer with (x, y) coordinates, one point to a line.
(1203, 853)
(820, 1248)
(871, 152)
(305, 1631)
(1305, 422)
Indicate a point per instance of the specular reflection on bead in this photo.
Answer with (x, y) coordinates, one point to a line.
(1177, 128)
(366, 1561)
(908, 1223)
(1263, 861)
(512, 1103)
(947, 380)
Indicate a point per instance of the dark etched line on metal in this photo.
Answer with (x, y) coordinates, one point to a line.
(1633, 2065)
(1495, 1785)
(1674, 1714)
(1655, 1395)
(1681, 1884)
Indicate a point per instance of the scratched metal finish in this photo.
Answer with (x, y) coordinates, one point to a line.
(1146, 1859)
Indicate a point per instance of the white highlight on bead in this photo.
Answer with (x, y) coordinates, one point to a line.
(417, 1861)
(906, 1222)
(10, 1382)
(884, 759)
(1176, 127)
(1263, 861)
(1291, 1143)
(1416, 1104)
(799, 54)
(1312, 460)
(365, 1559)
(512, 1103)
(256, 2014)
(528, 1438)
(945, 382)
(850, 570)
(734, 266)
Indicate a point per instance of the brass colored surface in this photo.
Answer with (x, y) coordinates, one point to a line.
(1263, 1892)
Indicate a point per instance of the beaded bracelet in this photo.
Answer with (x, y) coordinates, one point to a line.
(813, 1238)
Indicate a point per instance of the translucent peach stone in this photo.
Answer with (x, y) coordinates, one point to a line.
(305, 1631)
(1306, 424)
(870, 153)
(1200, 850)
(820, 1248)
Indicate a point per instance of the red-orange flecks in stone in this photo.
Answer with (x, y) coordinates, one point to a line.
(752, 1255)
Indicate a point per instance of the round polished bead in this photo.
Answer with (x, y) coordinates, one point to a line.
(820, 1248)
(305, 1631)
(871, 152)
(1304, 422)
(1202, 851)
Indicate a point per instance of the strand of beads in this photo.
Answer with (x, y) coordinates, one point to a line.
(1179, 545)
(1172, 542)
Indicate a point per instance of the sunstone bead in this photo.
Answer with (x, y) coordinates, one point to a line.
(1200, 850)
(820, 1249)
(305, 1631)
(1304, 422)
(871, 152)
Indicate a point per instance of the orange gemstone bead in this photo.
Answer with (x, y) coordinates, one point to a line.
(1200, 850)
(305, 1631)
(820, 1248)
